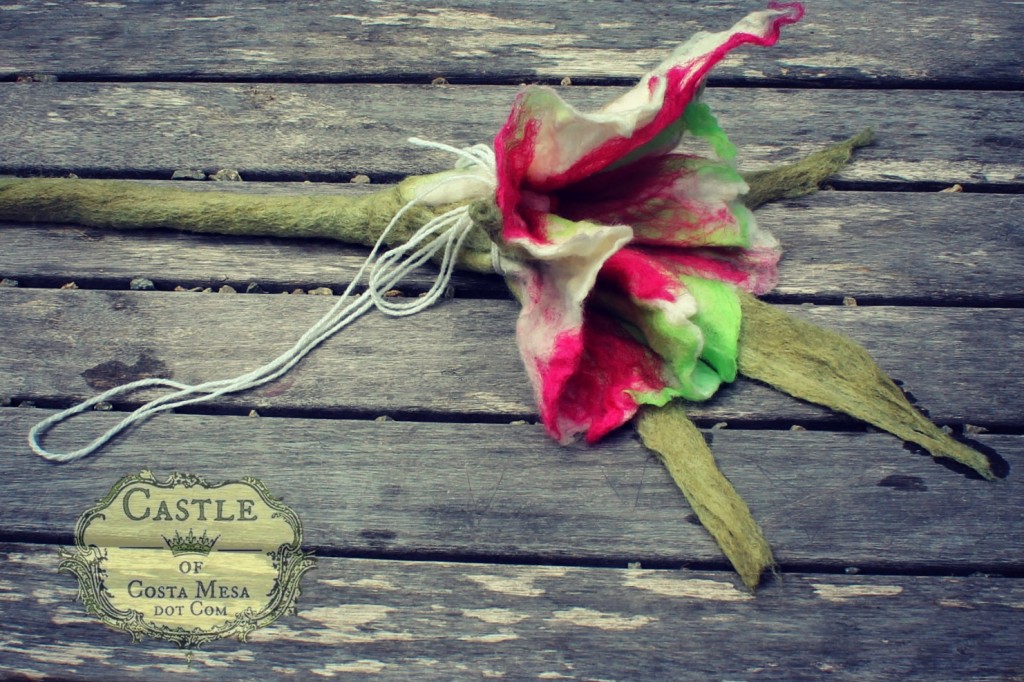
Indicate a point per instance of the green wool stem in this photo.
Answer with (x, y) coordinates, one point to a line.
(827, 368)
(125, 205)
(804, 176)
(670, 433)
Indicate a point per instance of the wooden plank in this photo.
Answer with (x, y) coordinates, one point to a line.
(836, 244)
(940, 43)
(410, 620)
(332, 132)
(507, 493)
(456, 358)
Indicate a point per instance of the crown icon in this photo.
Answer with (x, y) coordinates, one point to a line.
(191, 543)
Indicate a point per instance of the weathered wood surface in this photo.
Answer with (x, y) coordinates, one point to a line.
(959, 248)
(456, 358)
(920, 42)
(332, 132)
(506, 493)
(420, 522)
(391, 620)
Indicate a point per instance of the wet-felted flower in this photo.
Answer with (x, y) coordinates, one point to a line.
(625, 251)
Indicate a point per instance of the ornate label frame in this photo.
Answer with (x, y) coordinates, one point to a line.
(186, 560)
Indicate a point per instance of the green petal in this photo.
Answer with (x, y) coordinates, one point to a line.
(718, 316)
(700, 354)
(698, 119)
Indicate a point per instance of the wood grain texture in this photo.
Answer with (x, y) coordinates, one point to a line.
(931, 43)
(506, 493)
(454, 544)
(410, 620)
(457, 358)
(332, 132)
(959, 248)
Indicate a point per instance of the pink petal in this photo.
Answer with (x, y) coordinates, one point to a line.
(547, 144)
(673, 200)
(597, 396)
(752, 269)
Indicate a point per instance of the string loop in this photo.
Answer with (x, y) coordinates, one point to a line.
(445, 234)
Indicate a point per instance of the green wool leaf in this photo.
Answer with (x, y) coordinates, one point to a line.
(827, 368)
(682, 449)
(804, 176)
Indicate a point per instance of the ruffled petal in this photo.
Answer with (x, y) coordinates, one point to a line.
(674, 200)
(552, 286)
(630, 353)
(718, 317)
(695, 332)
(754, 269)
(547, 144)
(637, 290)
(601, 394)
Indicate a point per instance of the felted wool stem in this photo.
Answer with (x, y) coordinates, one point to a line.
(804, 176)
(126, 205)
(670, 433)
(827, 368)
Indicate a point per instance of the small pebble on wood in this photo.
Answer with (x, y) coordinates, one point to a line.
(5, 282)
(141, 284)
(188, 174)
(226, 175)
(320, 291)
(37, 78)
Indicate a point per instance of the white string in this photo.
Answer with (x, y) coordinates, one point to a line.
(447, 232)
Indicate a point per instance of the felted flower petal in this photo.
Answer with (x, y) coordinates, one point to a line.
(696, 332)
(754, 269)
(552, 288)
(673, 200)
(547, 144)
(718, 317)
(600, 395)
(697, 120)
(620, 367)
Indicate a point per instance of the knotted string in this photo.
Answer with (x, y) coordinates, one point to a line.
(447, 233)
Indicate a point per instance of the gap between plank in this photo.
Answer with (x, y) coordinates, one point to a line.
(1010, 571)
(456, 79)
